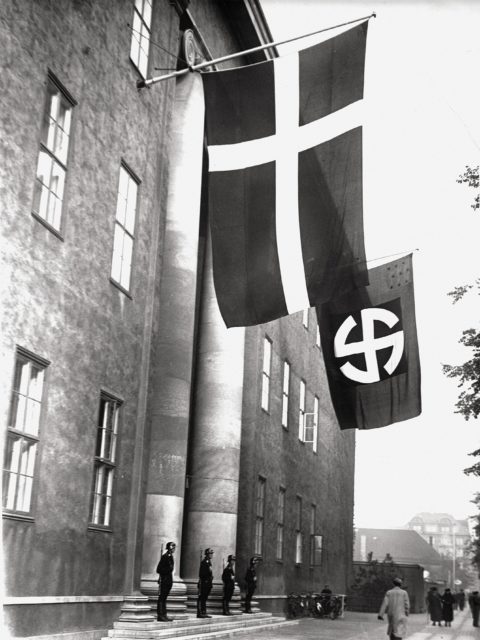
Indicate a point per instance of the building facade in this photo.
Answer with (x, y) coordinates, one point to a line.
(131, 416)
(448, 536)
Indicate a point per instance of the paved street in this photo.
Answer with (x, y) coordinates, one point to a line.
(365, 626)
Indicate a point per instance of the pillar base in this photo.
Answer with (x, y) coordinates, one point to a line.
(136, 608)
(177, 598)
(214, 602)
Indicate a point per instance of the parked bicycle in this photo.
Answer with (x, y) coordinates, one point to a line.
(315, 605)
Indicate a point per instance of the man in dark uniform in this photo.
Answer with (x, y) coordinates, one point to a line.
(251, 583)
(228, 578)
(165, 571)
(474, 603)
(205, 580)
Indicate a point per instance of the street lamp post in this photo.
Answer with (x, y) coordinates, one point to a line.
(454, 556)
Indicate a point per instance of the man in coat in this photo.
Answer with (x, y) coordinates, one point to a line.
(205, 581)
(474, 603)
(250, 583)
(434, 606)
(165, 579)
(228, 579)
(448, 600)
(396, 605)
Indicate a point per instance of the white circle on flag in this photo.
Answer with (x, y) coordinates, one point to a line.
(369, 345)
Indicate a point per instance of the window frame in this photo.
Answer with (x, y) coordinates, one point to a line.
(313, 524)
(286, 392)
(316, 420)
(298, 531)
(132, 179)
(266, 375)
(301, 409)
(53, 88)
(109, 463)
(138, 35)
(34, 438)
(280, 539)
(260, 493)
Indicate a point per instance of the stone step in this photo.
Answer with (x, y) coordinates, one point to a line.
(189, 621)
(208, 629)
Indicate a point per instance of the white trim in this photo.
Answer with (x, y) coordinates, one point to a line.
(16, 600)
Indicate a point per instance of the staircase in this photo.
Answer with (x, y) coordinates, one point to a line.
(192, 627)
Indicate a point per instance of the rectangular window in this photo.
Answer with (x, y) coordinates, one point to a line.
(316, 409)
(317, 544)
(313, 515)
(285, 393)
(104, 461)
(298, 532)
(124, 229)
(23, 432)
(305, 318)
(301, 412)
(317, 339)
(266, 373)
(141, 32)
(52, 159)
(259, 515)
(280, 522)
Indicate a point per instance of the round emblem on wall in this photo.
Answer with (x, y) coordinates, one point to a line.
(189, 47)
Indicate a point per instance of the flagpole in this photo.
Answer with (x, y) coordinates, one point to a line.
(208, 63)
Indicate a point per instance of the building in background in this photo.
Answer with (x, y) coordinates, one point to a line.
(131, 416)
(399, 546)
(448, 536)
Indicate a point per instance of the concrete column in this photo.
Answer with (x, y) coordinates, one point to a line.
(212, 498)
(173, 339)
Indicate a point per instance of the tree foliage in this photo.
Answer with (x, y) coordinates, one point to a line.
(468, 374)
(470, 177)
(475, 544)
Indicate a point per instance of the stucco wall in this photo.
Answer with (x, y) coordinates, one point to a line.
(58, 301)
(324, 478)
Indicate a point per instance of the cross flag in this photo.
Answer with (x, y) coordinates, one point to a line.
(369, 344)
(285, 180)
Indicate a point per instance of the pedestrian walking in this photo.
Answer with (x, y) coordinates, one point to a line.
(474, 603)
(396, 605)
(460, 596)
(205, 581)
(448, 600)
(165, 580)
(434, 606)
(228, 579)
(250, 583)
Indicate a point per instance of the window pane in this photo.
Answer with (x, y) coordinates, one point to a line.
(135, 43)
(131, 206)
(126, 261)
(117, 253)
(267, 354)
(17, 412)
(147, 13)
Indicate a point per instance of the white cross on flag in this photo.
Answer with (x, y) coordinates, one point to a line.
(285, 180)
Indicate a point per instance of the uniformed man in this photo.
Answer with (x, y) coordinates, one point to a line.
(165, 579)
(228, 578)
(205, 581)
(250, 583)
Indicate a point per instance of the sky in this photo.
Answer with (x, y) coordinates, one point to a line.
(421, 128)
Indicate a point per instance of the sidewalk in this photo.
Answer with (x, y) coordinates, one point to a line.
(365, 626)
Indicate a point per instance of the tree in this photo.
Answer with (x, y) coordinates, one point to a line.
(468, 374)
(471, 178)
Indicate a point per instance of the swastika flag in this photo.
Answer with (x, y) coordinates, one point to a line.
(369, 344)
(285, 180)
